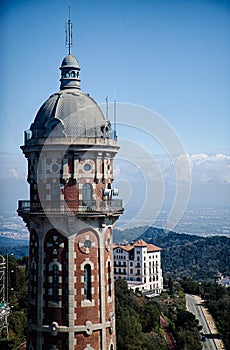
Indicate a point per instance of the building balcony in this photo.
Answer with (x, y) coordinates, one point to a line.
(113, 206)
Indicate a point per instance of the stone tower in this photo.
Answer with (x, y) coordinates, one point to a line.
(70, 149)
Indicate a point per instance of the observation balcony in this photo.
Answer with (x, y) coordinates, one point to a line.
(98, 207)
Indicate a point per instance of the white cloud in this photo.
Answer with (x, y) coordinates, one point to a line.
(210, 168)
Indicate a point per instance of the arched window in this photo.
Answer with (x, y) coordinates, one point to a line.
(87, 282)
(55, 283)
(87, 194)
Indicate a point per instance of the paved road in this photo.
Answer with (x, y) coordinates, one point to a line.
(195, 308)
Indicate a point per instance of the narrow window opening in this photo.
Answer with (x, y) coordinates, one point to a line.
(87, 192)
(87, 282)
(71, 164)
(109, 279)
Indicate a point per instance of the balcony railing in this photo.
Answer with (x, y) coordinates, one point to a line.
(62, 206)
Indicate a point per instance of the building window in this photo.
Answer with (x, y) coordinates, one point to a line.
(109, 279)
(55, 284)
(87, 167)
(70, 164)
(87, 282)
(87, 191)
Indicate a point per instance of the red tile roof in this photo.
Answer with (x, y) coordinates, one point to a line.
(153, 248)
(139, 243)
(124, 247)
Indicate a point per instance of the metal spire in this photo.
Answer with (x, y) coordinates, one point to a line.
(68, 32)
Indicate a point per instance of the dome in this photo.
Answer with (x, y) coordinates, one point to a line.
(70, 113)
(70, 61)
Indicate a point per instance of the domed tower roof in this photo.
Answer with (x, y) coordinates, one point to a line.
(70, 112)
(70, 61)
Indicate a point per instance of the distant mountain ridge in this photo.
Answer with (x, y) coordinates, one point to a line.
(18, 248)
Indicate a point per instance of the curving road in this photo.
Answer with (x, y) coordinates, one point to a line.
(194, 307)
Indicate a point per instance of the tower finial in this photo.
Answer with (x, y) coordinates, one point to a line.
(68, 32)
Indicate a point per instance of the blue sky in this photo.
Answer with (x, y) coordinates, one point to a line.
(171, 56)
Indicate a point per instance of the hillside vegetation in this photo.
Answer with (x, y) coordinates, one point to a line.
(138, 321)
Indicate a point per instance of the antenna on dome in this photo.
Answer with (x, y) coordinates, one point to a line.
(68, 33)
(115, 117)
(115, 114)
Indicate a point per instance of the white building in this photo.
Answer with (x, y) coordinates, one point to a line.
(140, 265)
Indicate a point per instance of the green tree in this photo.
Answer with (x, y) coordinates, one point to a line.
(150, 316)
